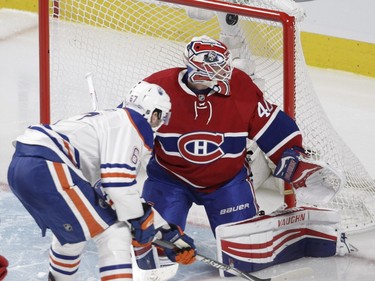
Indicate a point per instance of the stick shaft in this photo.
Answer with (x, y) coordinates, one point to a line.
(288, 275)
(94, 97)
(212, 262)
(229, 268)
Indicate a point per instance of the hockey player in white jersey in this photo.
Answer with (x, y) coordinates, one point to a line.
(77, 178)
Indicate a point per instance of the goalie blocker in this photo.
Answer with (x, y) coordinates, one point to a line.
(282, 236)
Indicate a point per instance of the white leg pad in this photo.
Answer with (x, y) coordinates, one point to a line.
(279, 237)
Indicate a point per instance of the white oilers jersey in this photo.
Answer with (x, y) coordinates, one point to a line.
(106, 145)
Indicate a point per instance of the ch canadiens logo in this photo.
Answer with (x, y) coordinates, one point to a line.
(201, 148)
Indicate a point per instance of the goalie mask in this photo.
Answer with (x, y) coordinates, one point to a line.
(209, 62)
(151, 101)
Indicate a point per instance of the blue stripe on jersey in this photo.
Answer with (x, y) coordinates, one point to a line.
(61, 135)
(118, 184)
(43, 128)
(117, 165)
(36, 150)
(113, 267)
(280, 128)
(143, 127)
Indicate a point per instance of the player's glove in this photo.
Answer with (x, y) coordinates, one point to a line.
(314, 181)
(185, 250)
(143, 229)
(3, 267)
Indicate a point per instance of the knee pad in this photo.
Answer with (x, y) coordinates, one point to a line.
(114, 251)
(113, 244)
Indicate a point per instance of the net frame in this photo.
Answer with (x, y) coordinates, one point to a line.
(360, 187)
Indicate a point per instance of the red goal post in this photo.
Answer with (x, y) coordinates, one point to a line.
(122, 42)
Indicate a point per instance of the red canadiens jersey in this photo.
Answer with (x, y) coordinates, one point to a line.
(204, 143)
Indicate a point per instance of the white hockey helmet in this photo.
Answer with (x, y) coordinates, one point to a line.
(208, 61)
(147, 99)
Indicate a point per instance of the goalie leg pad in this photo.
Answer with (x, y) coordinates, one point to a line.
(199, 14)
(280, 237)
(233, 37)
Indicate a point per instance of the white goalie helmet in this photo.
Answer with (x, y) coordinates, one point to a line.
(208, 61)
(147, 99)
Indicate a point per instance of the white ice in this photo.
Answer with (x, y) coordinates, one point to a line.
(349, 101)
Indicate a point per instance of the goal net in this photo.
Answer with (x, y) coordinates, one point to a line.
(122, 42)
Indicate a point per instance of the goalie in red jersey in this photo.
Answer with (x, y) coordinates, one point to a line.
(200, 157)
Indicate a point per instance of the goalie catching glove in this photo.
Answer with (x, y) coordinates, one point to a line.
(314, 181)
(185, 251)
(143, 229)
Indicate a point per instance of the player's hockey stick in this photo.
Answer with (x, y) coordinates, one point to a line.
(94, 97)
(293, 274)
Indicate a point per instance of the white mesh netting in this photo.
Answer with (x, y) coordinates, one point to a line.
(122, 42)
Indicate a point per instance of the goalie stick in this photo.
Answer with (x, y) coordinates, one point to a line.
(293, 274)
